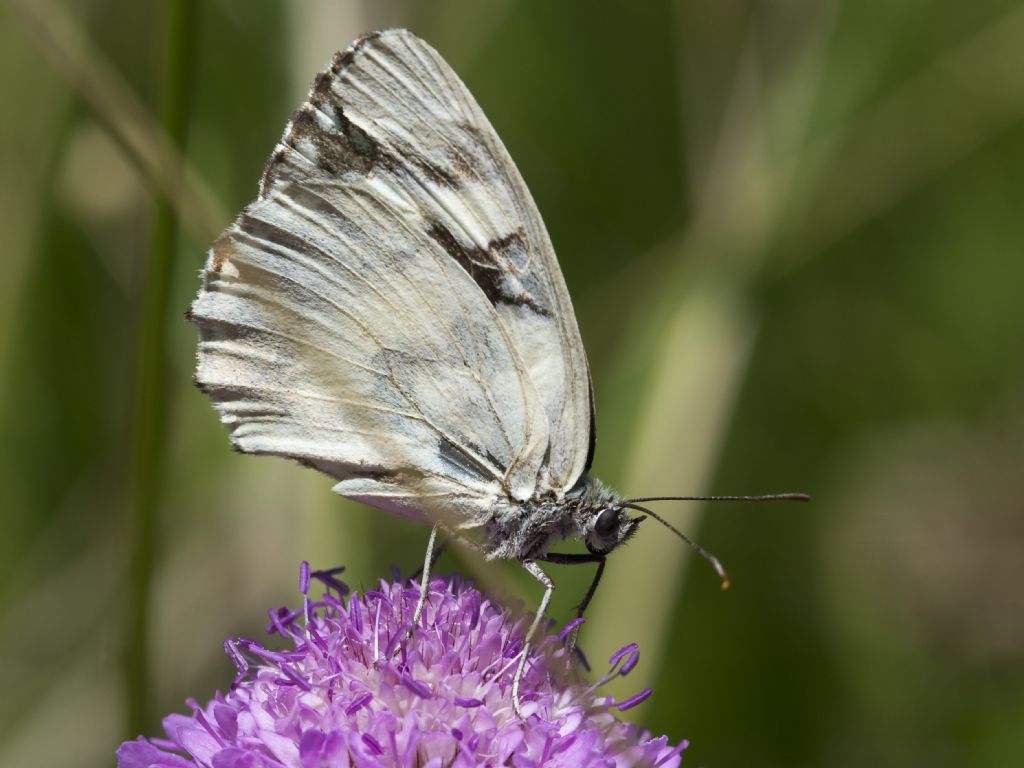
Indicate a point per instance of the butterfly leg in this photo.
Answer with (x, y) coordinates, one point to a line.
(573, 558)
(549, 587)
(428, 562)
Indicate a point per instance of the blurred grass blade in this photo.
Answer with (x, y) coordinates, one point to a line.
(151, 392)
(706, 331)
(113, 104)
(916, 131)
(705, 348)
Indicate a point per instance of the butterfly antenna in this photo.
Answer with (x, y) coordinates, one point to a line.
(764, 497)
(715, 563)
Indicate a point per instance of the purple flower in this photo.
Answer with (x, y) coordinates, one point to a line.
(352, 691)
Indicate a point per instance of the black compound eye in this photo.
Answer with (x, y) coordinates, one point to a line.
(607, 523)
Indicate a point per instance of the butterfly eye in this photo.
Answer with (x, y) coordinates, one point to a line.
(607, 523)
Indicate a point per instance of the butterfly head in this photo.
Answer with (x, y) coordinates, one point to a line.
(602, 521)
(609, 528)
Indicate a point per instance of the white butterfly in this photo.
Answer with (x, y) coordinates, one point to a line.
(390, 311)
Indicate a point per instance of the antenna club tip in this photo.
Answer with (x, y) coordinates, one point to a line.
(725, 583)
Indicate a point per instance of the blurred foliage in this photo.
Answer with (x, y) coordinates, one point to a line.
(788, 229)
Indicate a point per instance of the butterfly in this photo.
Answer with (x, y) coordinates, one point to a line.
(390, 311)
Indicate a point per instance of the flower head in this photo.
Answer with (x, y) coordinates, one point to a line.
(353, 691)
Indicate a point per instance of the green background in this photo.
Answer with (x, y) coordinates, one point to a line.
(793, 234)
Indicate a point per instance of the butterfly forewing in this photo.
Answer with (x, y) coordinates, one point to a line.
(390, 310)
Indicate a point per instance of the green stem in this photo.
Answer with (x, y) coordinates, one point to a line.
(151, 400)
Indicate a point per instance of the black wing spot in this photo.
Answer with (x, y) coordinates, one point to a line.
(322, 85)
(348, 149)
(432, 171)
(488, 266)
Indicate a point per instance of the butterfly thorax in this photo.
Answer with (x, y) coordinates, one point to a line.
(525, 530)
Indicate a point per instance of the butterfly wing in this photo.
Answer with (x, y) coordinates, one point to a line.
(389, 309)
(401, 98)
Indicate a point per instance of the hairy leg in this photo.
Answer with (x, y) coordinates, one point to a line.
(549, 587)
(572, 558)
(428, 562)
(434, 550)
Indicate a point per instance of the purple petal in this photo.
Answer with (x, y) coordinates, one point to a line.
(632, 701)
(630, 662)
(258, 650)
(679, 749)
(236, 758)
(400, 635)
(311, 745)
(231, 649)
(570, 627)
(623, 661)
(201, 718)
(296, 678)
(420, 689)
(280, 620)
(227, 720)
(141, 754)
(622, 652)
(372, 744)
(358, 703)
